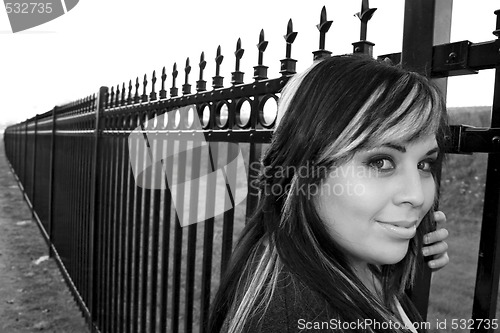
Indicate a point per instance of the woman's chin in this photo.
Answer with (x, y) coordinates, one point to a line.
(392, 256)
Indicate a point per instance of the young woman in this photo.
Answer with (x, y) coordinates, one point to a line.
(346, 196)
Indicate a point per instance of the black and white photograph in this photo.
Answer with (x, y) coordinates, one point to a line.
(250, 166)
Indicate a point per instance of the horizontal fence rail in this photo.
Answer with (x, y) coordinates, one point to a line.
(119, 180)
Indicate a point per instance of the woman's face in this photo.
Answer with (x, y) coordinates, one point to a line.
(373, 203)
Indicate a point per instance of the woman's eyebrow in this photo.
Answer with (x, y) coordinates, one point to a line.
(395, 146)
(403, 148)
(432, 151)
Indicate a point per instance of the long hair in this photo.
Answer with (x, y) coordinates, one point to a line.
(338, 106)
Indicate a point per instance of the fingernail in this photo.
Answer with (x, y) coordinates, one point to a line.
(425, 252)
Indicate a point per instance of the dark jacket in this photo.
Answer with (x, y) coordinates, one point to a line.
(293, 308)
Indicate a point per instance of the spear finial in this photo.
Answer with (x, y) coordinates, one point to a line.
(237, 75)
(152, 95)
(137, 85)
(163, 92)
(117, 101)
(129, 98)
(174, 90)
(497, 30)
(217, 80)
(201, 85)
(112, 97)
(186, 87)
(288, 64)
(144, 96)
(122, 102)
(366, 13)
(364, 16)
(323, 27)
(260, 71)
(262, 47)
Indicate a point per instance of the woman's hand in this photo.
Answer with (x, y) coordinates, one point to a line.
(435, 246)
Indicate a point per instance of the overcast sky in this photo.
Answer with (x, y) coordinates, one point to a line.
(110, 42)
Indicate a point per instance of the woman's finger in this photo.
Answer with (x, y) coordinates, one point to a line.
(438, 249)
(439, 216)
(436, 236)
(439, 262)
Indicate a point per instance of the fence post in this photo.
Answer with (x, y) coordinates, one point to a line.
(94, 205)
(33, 175)
(488, 270)
(426, 23)
(25, 160)
(51, 180)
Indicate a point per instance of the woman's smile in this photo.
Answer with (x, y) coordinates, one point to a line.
(399, 230)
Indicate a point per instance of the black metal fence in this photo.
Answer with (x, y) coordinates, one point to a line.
(121, 247)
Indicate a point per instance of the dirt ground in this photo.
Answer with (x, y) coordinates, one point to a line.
(33, 294)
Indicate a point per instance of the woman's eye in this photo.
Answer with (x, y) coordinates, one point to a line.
(382, 164)
(426, 166)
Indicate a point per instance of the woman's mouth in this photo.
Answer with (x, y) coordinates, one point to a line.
(400, 229)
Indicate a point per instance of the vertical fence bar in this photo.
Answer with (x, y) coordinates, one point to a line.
(122, 301)
(208, 237)
(102, 225)
(15, 144)
(255, 152)
(130, 240)
(63, 247)
(21, 153)
(78, 212)
(165, 238)
(113, 228)
(179, 205)
(158, 147)
(137, 242)
(108, 159)
(144, 277)
(25, 158)
(99, 231)
(193, 212)
(119, 226)
(16, 152)
(488, 268)
(72, 217)
(51, 180)
(85, 203)
(116, 179)
(228, 224)
(422, 28)
(94, 210)
(191, 250)
(18, 148)
(87, 152)
(33, 174)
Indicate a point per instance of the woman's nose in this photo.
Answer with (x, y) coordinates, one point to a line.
(410, 189)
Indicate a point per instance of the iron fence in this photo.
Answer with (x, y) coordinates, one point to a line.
(119, 241)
